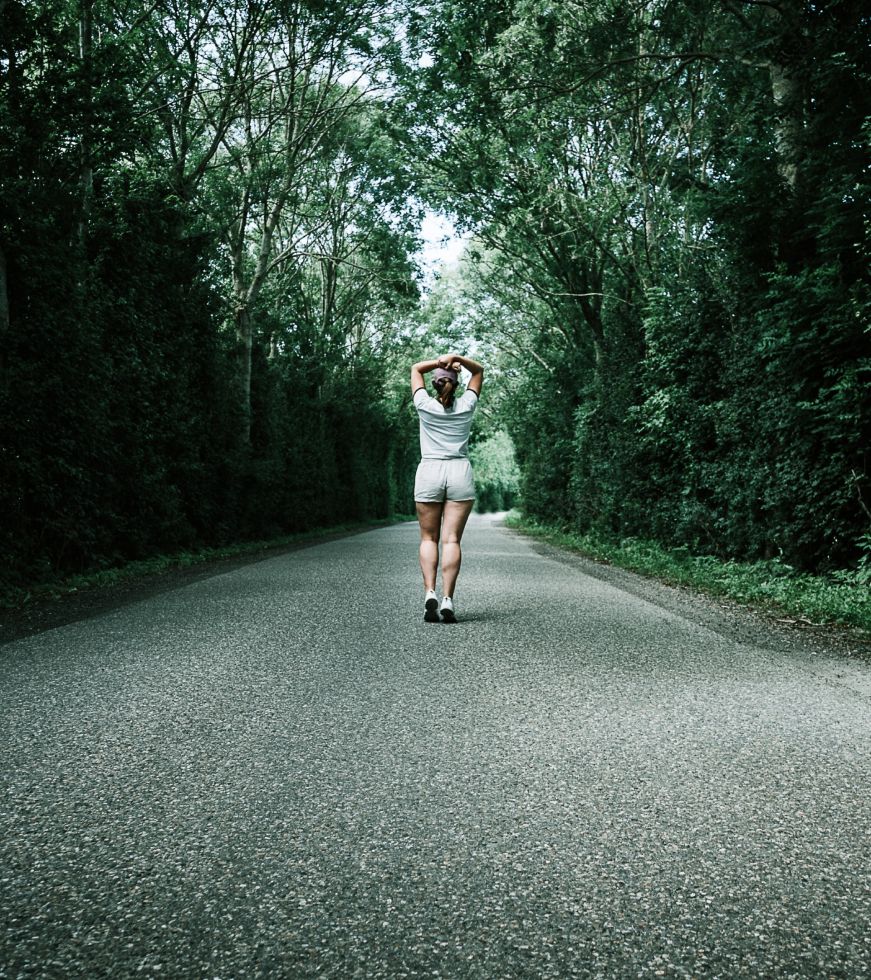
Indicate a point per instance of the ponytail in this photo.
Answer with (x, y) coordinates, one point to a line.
(446, 389)
(445, 383)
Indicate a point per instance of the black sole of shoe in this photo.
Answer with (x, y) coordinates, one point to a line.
(431, 615)
(448, 616)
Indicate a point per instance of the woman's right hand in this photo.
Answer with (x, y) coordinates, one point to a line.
(450, 361)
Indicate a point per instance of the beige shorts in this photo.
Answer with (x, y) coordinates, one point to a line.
(444, 479)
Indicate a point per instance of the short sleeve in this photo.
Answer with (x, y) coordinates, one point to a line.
(419, 397)
(468, 401)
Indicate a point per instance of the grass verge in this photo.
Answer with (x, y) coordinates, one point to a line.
(13, 598)
(773, 586)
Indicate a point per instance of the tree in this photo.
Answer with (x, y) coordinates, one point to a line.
(141, 145)
(653, 174)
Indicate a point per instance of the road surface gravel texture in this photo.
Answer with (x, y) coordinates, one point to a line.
(282, 771)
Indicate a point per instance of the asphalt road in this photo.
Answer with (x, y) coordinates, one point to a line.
(282, 771)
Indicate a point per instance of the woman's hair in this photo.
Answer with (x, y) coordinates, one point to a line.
(445, 382)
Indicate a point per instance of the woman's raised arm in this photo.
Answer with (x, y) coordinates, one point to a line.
(419, 370)
(473, 367)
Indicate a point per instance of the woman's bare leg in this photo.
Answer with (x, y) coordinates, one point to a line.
(429, 516)
(455, 517)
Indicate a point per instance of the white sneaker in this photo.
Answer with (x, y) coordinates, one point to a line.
(430, 607)
(447, 610)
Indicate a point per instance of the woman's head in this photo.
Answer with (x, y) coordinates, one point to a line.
(445, 381)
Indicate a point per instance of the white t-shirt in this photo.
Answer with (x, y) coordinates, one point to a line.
(444, 432)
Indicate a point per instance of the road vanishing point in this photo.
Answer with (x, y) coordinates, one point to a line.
(281, 771)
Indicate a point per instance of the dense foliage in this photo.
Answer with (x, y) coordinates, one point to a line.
(204, 243)
(668, 203)
(208, 301)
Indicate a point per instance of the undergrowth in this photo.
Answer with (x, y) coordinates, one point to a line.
(841, 599)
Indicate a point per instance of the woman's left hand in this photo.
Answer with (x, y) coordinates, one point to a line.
(450, 362)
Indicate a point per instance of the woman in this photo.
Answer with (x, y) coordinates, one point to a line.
(444, 489)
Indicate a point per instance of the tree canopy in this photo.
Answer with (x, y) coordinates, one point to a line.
(669, 208)
(209, 283)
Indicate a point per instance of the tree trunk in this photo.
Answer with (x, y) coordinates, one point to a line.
(787, 95)
(4, 320)
(787, 89)
(649, 235)
(328, 296)
(245, 297)
(245, 346)
(86, 168)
